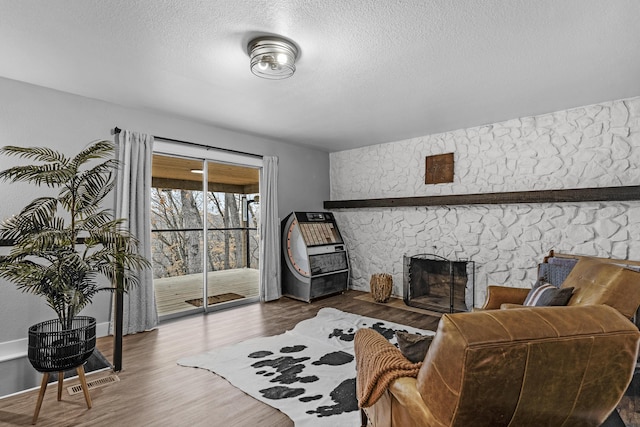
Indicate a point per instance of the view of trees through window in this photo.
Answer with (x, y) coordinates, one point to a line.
(178, 237)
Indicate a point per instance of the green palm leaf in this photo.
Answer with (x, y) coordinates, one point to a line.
(40, 154)
(46, 259)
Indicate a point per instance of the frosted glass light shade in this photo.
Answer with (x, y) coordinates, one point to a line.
(272, 57)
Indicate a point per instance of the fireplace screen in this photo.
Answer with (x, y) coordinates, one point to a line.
(438, 284)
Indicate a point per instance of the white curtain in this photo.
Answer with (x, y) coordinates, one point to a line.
(270, 231)
(133, 203)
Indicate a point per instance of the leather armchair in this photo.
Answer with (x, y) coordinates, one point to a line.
(594, 282)
(526, 367)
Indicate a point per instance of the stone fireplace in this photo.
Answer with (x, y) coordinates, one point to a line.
(435, 283)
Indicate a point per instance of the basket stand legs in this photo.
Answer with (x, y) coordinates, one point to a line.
(83, 382)
(60, 381)
(43, 389)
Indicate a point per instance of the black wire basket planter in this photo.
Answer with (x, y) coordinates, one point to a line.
(54, 349)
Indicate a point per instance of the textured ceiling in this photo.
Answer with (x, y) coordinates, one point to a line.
(370, 71)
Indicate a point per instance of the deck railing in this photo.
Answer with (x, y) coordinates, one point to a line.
(237, 248)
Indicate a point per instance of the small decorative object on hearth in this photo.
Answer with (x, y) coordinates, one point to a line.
(381, 287)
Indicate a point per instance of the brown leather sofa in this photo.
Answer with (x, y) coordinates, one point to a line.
(595, 281)
(541, 366)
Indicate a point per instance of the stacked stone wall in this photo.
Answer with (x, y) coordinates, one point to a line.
(593, 146)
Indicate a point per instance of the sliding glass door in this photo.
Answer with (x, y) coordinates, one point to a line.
(205, 216)
(232, 237)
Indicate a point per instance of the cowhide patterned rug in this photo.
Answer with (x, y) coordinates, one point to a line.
(309, 372)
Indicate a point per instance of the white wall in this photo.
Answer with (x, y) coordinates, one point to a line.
(35, 116)
(593, 146)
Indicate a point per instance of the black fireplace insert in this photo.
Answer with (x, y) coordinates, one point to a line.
(434, 283)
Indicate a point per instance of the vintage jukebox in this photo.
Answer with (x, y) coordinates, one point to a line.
(314, 257)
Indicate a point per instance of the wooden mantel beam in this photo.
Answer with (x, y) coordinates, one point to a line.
(594, 194)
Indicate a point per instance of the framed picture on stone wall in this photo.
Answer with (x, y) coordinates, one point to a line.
(439, 169)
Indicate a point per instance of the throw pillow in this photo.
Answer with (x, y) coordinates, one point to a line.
(413, 346)
(548, 295)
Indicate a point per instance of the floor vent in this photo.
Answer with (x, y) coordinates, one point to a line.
(98, 382)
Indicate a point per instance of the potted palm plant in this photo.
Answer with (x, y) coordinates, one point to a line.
(67, 247)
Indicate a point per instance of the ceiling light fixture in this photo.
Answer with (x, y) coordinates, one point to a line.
(272, 57)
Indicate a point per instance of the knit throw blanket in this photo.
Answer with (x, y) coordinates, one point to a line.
(378, 363)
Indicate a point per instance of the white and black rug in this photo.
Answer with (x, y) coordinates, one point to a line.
(308, 373)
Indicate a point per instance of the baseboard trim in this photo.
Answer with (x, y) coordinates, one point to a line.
(15, 349)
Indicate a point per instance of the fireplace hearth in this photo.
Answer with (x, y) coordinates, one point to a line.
(434, 283)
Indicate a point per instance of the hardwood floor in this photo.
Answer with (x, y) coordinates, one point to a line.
(154, 391)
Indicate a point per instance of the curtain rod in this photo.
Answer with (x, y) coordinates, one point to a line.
(117, 130)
